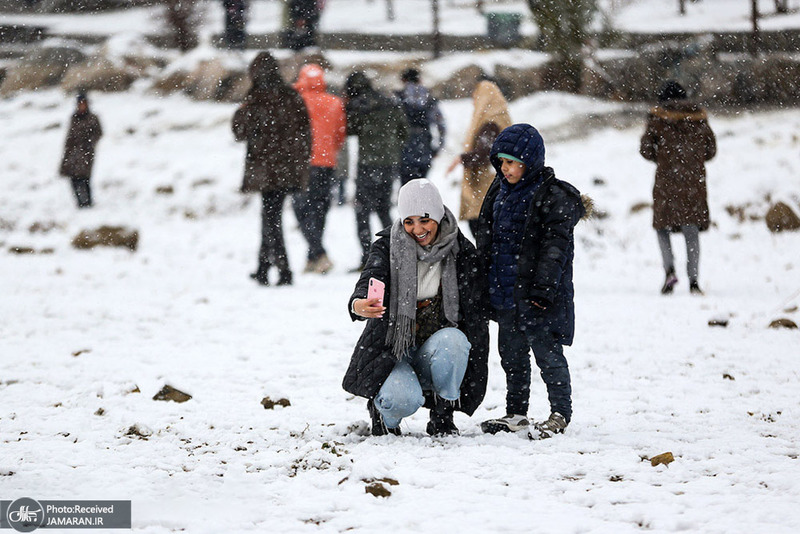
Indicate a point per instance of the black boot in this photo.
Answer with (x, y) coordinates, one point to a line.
(285, 278)
(378, 427)
(669, 282)
(261, 275)
(441, 423)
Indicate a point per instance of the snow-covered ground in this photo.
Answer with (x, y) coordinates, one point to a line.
(457, 17)
(80, 331)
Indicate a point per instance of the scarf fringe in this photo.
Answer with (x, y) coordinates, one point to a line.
(403, 334)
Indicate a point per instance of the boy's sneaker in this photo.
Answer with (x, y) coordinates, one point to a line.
(507, 423)
(669, 282)
(379, 428)
(554, 425)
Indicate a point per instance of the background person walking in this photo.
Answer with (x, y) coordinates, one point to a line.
(679, 140)
(423, 115)
(82, 137)
(274, 123)
(380, 125)
(489, 117)
(328, 134)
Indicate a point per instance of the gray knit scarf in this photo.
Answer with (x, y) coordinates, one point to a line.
(404, 252)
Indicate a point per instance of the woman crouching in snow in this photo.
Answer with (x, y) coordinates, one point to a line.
(432, 346)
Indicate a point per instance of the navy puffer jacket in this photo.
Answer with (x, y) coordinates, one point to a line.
(546, 242)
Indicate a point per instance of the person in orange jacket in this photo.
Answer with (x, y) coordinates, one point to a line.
(328, 135)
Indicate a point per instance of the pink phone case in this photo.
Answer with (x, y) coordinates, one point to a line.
(376, 289)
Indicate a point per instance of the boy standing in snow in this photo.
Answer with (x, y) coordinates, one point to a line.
(525, 237)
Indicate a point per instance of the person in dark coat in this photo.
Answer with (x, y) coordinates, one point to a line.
(380, 125)
(84, 133)
(679, 140)
(304, 17)
(274, 123)
(431, 348)
(235, 18)
(525, 237)
(423, 115)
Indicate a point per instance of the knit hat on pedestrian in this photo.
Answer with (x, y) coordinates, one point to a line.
(420, 198)
(81, 97)
(509, 156)
(410, 75)
(672, 90)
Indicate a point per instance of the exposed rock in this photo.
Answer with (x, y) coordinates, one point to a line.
(169, 393)
(43, 67)
(662, 459)
(270, 404)
(640, 206)
(781, 217)
(99, 74)
(459, 85)
(172, 82)
(165, 190)
(21, 250)
(718, 321)
(783, 322)
(516, 83)
(139, 431)
(107, 236)
(378, 490)
(205, 82)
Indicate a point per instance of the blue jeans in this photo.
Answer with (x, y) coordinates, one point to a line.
(515, 346)
(437, 366)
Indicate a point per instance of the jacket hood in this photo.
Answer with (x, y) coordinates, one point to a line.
(357, 84)
(311, 78)
(264, 71)
(525, 143)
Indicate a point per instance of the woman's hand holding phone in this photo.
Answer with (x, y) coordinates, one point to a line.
(369, 308)
(372, 306)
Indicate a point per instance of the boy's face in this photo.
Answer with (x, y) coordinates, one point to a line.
(512, 170)
(422, 229)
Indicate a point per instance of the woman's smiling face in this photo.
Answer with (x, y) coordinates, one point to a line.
(422, 229)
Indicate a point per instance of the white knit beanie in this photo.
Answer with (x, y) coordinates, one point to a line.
(420, 198)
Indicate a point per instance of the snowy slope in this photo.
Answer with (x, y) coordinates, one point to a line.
(649, 373)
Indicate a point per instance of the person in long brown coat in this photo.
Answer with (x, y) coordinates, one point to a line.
(490, 116)
(679, 140)
(82, 137)
(274, 122)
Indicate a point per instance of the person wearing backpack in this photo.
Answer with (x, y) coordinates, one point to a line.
(423, 114)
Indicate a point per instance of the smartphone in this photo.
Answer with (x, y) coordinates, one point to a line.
(376, 289)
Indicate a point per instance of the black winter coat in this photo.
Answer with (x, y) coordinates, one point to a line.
(544, 268)
(372, 359)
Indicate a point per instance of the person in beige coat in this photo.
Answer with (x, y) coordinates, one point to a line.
(490, 116)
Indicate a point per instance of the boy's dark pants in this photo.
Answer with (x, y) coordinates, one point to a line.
(514, 346)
